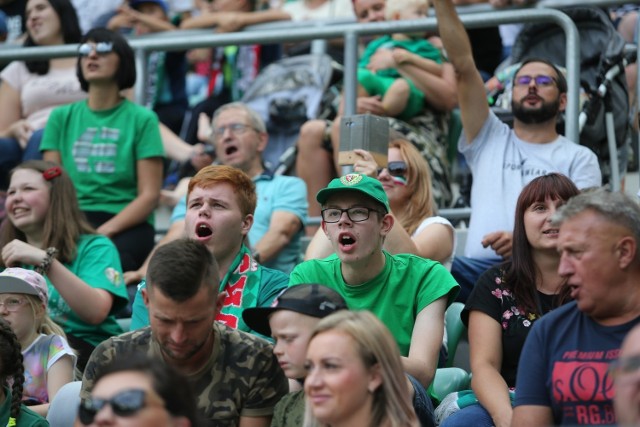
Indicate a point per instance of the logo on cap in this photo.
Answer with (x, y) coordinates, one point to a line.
(351, 179)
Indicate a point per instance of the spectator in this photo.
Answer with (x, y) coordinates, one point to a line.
(15, 18)
(47, 230)
(532, 148)
(354, 374)
(110, 147)
(165, 83)
(290, 321)
(4, 31)
(407, 183)
(31, 89)
(599, 259)
(142, 391)
(318, 143)
(48, 360)
(222, 200)
(625, 374)
(183, 300)
(408, 293)
(12, 412)
(378, 72)
(90, 11)
(240, 137)
(509, 299)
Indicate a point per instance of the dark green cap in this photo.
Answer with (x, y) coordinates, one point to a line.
(355, 182)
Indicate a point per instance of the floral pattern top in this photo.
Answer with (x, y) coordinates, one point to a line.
(493, 297)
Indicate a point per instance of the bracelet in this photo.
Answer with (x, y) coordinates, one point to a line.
(44, 266)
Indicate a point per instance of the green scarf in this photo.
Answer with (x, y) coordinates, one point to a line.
(242, 285)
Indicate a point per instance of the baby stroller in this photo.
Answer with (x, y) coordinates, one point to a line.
(604, 121)
(286, 94)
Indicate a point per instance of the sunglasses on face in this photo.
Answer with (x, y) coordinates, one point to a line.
(395, 168)
(541, 80)
(101, 48)
(124, 404)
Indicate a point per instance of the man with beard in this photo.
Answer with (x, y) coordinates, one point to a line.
(235, 375)
(504, 160)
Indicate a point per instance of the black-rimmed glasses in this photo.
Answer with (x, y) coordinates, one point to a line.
(356, 214)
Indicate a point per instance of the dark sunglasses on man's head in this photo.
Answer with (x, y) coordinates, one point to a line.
(102, 48)
(541, 80)
(124, 404)
(398, 168)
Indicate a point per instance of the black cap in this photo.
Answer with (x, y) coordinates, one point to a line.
(310, 299)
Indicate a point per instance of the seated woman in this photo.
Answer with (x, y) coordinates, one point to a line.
(509, 298)
(31, 89)
(12, 412)
(354, 374)
(407, 182)
(48, 360)
(46, 230)
(110, 147)
(140, 391)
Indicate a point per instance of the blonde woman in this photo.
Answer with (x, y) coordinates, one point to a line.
(407, 182)
(355, 375)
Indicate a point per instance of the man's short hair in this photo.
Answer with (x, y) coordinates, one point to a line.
(255, 120)
(561, 80)
(615, 207)
(243, 186)
(180, 268)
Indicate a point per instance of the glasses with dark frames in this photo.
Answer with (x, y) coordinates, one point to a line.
(124, 404)
(398, 168)
(355, 214)
(101, 48)
(541, 80)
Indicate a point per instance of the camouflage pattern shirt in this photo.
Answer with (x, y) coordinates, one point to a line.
(242, 377)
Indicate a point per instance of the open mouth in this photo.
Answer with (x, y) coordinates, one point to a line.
(552, 232)
(346, 241)
(203, 230)
(230, 150)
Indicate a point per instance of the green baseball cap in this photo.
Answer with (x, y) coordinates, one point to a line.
(355, 182)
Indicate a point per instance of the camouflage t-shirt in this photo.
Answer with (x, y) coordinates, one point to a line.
(289, 412)
(242, 377)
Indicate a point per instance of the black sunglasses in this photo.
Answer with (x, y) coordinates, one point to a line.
(395, 168)
(124, 404)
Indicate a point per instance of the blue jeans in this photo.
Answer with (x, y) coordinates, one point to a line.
(467, 270)
(473, 415)
(11, 154)
(422, 404)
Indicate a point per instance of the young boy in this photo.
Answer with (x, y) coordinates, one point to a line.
(290, 321)
(377, 69)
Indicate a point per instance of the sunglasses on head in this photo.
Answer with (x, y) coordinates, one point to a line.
(395, 168)
(541, 80)
(101, 48)
(124, 404)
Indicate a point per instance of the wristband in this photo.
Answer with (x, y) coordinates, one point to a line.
(44, 266)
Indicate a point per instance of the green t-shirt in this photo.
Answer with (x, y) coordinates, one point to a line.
(99, 150)
(27, 417)
(420, 47)
(98, 264)
(289, 411)
(405, 286)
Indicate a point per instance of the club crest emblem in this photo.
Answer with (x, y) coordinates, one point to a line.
(351, 179)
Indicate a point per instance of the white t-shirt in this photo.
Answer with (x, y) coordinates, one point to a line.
(330, 9)
(439, 220)
(502, 164)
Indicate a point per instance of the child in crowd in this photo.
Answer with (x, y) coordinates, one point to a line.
(377, 70)
(48, 360)
(290, 321)
(12, 412)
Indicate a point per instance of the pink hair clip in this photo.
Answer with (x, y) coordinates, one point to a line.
(52, 172)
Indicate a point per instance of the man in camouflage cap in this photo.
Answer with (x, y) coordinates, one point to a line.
(235, 375)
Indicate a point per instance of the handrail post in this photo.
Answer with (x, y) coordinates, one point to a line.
(350, 73)
(141, 73)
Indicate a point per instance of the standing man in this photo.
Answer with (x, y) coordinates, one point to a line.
(563, 375)
(219, 215)
(235, 375)
(504, 160)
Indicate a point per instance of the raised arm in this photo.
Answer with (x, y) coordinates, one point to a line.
(474, 108)
(233, 21)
